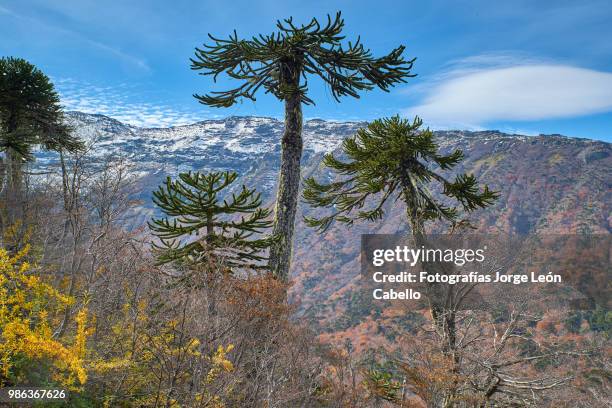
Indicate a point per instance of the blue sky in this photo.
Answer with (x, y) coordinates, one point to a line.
(518, 66)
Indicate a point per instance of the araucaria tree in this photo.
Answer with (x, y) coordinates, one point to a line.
(281, 64)
(202, 226)
(393, 159)
(30, 115)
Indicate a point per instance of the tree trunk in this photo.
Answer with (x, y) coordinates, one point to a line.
(13, 176)
(443, 316)
(2, 173)
(288, 188)
(14, 183)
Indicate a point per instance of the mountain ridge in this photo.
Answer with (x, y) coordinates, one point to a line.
(473, 133)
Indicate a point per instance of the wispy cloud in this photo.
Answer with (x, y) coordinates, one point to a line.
(484, 89)
(139, 62)
(118, 102)
(109, 49)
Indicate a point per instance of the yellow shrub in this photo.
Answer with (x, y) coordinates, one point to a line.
(25, 330)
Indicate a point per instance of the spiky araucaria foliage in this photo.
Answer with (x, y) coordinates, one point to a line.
(394, 159)
(202, 226)
(30, 116)
(281, 64)
(30, 111)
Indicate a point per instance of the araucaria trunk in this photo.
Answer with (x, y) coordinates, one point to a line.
(13, 178)
(437, 294)
(288, 188)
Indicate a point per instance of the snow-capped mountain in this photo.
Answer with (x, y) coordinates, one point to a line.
(251, 147)
(234, 143)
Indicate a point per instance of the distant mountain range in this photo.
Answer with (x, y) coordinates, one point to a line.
(548, 183)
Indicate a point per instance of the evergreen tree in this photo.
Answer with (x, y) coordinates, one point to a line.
(394, 159)
(30, 115)
(281, 64)
(199, 225)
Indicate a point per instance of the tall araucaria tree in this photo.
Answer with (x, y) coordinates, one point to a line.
(30, 115)
(200, 225)
(282, 64)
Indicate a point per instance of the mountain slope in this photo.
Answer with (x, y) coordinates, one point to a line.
(551, 183)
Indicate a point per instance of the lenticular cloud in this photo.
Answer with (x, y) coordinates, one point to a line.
(528, 92)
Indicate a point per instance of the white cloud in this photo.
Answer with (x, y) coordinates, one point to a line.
(534, 91)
